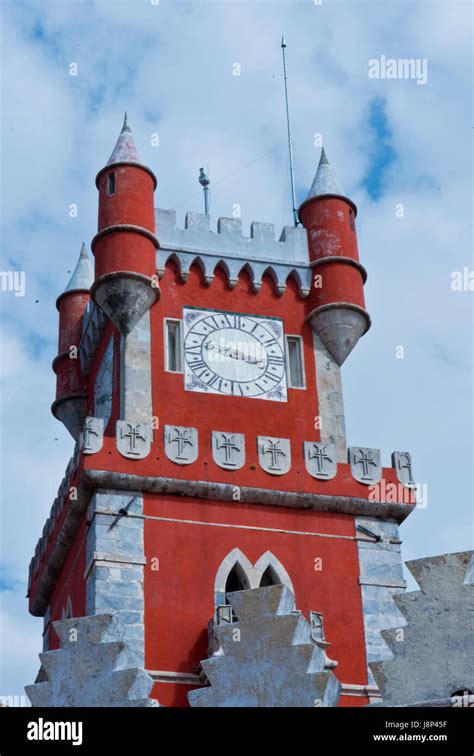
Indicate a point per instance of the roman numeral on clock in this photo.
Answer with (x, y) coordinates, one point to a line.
(215, 382)
(198, 365)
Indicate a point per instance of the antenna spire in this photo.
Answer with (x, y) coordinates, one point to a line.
(290, 149)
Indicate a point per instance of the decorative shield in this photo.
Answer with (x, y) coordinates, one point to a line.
(365, 464)
(320, 459)
(228, 449)
(92, 435)
(181, 444)
(274, 454)
(133, 439)
(401, 461)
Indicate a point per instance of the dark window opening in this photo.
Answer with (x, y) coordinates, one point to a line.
(111, 184)
(352, 219)
(236, 581)
(269, 577)
(174, 346)
(295, 368)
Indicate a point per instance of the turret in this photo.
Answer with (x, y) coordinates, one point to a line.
(125, 246)
(70, 406)
(336, 301)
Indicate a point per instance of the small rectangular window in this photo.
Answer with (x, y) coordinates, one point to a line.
(351, 219)
(294, 362)
(173, 346)
(111, 184)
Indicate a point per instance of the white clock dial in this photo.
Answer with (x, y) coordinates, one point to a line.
(234, 354)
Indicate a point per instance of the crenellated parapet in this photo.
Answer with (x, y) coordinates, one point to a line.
(259, 254)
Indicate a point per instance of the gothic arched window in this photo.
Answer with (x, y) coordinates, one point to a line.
(269, 577)
(236, 581)
(237, 573)
(232, 575)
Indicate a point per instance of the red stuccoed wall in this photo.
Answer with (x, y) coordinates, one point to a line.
(208, 412)
(71, 583)
(179, 596)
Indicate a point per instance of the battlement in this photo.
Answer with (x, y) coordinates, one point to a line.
(259, 254)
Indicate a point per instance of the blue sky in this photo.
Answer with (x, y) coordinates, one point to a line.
(391, 142)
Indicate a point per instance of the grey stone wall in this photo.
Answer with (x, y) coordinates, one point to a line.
(268, 657)
(115, 562)
(330, 399)
(433, 663)
(93, 667)
(135, 373)
(46, 627)
(381, 576)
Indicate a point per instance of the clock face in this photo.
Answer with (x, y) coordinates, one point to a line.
(234, 354)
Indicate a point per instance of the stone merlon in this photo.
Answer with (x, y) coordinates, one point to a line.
(258, 254)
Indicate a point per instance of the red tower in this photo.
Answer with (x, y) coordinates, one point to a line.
(124, 246)
(70, 406)
(337, 304)
(213, 457)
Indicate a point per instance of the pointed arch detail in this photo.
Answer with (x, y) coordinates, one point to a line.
(269, 560)
(249, 573)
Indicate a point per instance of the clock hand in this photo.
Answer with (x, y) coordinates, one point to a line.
(234, 353)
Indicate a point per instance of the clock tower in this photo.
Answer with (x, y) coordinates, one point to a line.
(211, 452)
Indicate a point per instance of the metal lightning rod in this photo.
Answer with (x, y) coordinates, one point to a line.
(292, 176)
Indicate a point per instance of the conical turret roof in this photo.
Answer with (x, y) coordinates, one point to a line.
(82, 276)
(325, 181)
(125, 151)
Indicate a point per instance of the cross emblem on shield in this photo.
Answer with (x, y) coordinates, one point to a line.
(133, 439)
(365, 464)
(274, 454)
(320, 459)
(181, 444)
(92, 435)
(228, 449)
(401, 461)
